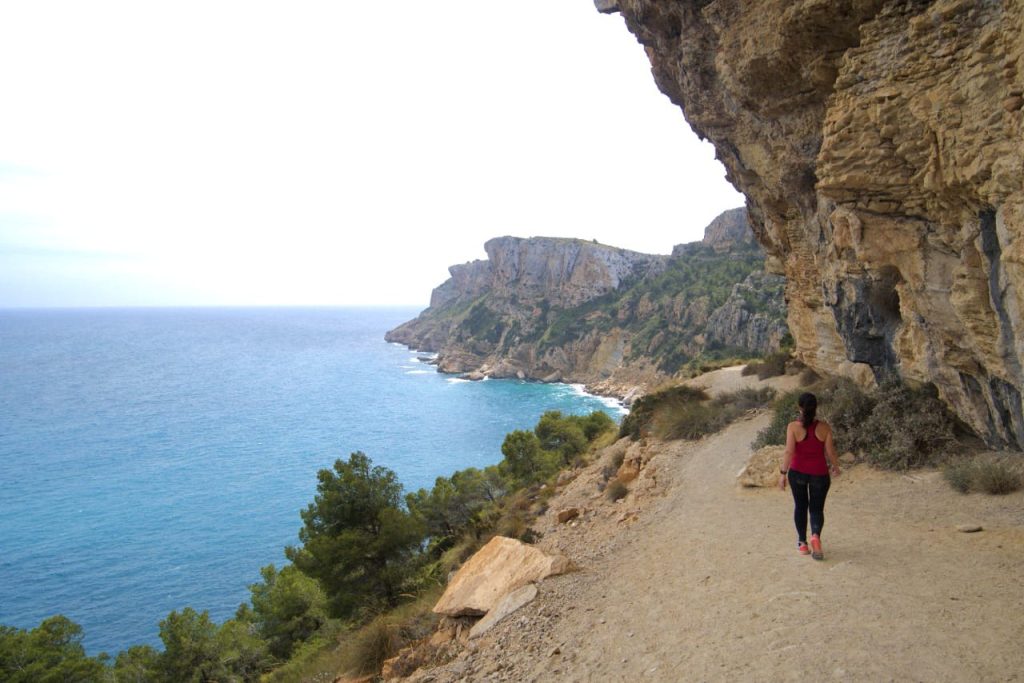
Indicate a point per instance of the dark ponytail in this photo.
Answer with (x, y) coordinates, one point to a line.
(808, 404)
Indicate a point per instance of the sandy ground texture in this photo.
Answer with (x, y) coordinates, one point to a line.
(690, 578)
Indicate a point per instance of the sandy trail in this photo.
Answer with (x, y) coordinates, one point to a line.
(708, 586)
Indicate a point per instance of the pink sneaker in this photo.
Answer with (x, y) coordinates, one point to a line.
(802, 548)
(816, 548)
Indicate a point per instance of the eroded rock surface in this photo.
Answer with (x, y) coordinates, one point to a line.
(879, 144)
(497, 569)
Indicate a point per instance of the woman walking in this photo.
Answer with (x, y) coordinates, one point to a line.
(810, 459)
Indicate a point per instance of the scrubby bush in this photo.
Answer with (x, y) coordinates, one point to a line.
(997, 476)
(616, 490)
(689, 421)
(773, 365)
(808, 377)
(683, 412)
(985, 474)
(376, 643)
(907, 427)
(618, 459)
(644, 409)
(750, 398)
(960, 475)
(846, 407)
(595, 424)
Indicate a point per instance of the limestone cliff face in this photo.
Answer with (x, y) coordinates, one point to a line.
(571, 310)
(728, 230)
(880, 147)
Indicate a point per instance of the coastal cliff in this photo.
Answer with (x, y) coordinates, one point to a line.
(879, 145)
(616, 320)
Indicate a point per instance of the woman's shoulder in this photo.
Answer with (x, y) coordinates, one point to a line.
(823, 427)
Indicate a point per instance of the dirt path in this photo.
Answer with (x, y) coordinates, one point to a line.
(707, 585)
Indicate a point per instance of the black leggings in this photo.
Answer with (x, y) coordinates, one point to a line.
(809, 492)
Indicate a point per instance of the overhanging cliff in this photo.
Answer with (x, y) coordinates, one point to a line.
(879, 145)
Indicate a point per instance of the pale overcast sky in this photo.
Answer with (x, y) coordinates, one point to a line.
(269, 153)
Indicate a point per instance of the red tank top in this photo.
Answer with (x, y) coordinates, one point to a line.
(809, 457)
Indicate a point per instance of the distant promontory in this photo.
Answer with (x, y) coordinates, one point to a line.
(572, 310)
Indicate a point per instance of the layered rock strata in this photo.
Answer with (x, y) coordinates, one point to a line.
(880, 147)
(619, 321)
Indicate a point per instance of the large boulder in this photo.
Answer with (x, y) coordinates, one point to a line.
(762, 470)
(509, 604)
(497, 569)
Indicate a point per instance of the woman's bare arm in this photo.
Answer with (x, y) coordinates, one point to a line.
(830, 453)
(788, 458)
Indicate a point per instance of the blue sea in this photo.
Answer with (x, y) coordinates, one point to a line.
(152, 459)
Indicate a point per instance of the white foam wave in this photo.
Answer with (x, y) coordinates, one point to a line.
(457, 380)
(419, 372)
(608, 401)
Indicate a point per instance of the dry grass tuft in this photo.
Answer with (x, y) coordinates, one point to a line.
(992, 474)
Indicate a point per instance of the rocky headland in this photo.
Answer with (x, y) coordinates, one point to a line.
(880, 147)
(616, 320)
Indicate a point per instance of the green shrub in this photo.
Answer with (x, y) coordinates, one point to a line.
(595, 424)
(616, 490)
(783, 412)
(563, 436)
(846, 407)
(997, 476)
(907, 427)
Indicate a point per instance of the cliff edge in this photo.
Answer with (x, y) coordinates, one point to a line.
(880, 147)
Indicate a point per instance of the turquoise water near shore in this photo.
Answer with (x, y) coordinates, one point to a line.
(152, 459)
